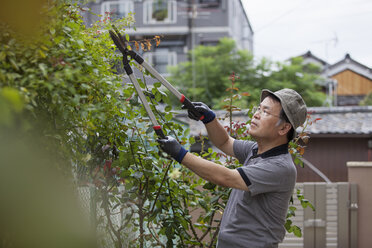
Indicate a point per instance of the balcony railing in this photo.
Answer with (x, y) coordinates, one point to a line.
(156, 12)
(116, 9)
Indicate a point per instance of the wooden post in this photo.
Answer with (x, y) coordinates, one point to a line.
(354, 216)
(343, 226)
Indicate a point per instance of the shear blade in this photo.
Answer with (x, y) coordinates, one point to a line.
(117, 42)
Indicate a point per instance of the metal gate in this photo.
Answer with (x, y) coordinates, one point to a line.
(334, 221)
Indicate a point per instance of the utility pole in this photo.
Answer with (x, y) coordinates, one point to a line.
(193, 13)
(331, 83)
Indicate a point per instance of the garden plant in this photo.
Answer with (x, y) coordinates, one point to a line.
(64, 87)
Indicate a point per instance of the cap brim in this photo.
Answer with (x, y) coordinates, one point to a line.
(265, 93)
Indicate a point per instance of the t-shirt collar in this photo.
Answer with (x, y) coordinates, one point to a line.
(278, 150)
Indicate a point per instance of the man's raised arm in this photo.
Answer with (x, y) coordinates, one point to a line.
(216, 133)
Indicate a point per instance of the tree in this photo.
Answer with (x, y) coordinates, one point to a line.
(367, 100)
(213, 64)
(302, 78)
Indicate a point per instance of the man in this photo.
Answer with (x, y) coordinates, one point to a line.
(256, 211)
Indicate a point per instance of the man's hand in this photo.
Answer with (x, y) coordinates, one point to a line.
(203, 109)
(171, 146)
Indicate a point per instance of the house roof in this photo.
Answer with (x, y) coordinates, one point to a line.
(339, 121)
(347, 120)
(348, 59)
(311, 58)
(347, 63)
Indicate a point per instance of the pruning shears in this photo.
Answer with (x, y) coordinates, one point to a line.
(121, 45)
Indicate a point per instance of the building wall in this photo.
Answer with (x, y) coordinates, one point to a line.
(351, 83)
(330, 156)
(239, 27)
(206, 21)
(191, 23)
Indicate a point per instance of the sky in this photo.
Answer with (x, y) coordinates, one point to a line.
(328, 28)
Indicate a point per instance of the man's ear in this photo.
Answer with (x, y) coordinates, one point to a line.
(285, 128)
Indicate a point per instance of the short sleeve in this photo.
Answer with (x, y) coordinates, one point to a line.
(242, 149)
(270, 176)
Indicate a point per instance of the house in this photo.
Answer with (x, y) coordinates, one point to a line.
(354, 80)
(308, 58)
(349, 81)
(342, 134)
(183, 24)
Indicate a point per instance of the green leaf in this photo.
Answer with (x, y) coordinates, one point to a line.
(80, 42)
(189, 191)
(192, 140)
(203, 203)
(288, 225)
(215, 199)
(157, 96)
(42, 54)
(67, 29)
(297, 231)
(2, 55)
(209, 186)
(14, 64)
(126, 174)
(141, 83)
(168, 108)
(168, 116)
(43, 69)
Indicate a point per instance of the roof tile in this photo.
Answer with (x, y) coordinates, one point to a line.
(355, 120)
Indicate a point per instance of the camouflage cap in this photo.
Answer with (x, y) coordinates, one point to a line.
(293, 106)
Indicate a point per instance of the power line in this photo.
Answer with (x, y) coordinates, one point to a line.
(278, 18)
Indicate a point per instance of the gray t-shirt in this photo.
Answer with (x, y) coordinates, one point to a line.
(256, 218)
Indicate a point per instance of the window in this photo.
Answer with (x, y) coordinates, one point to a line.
(117, 9)
(209, 42)
(160, 11)
(160, 59)
(209, 3)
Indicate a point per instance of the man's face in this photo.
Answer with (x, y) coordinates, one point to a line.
(264, 122)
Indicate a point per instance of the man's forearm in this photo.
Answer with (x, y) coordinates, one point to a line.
(217, 134)
(214, 173)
